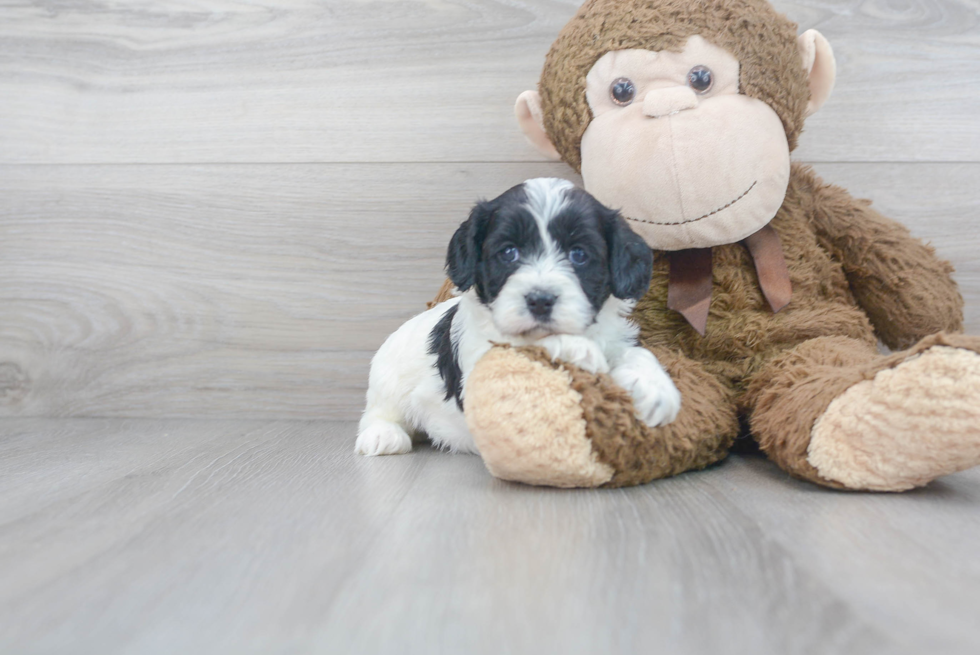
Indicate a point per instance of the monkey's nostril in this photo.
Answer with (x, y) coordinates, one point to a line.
(540, 303)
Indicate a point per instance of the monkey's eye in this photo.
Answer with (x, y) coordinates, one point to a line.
(577, 256)
(700, 79)
(509, 255)
(622, 91)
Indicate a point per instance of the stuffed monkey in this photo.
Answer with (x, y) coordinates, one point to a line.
(770, 288)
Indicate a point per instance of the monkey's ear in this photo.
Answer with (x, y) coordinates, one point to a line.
(531, 120)
(819, 62)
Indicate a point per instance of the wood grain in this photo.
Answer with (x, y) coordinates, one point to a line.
(874, 550)
(262, 291)
(220, 209)
(433, 81)
(234, 291)
(230, 536)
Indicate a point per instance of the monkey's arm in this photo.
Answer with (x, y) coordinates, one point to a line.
(906, 291)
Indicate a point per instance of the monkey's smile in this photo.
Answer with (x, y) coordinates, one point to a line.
(694, 220)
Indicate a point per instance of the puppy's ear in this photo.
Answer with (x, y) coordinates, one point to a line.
(464, 248)
(630, 259)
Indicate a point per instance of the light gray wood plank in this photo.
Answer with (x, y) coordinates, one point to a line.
(151, 518)
(877, 550)
(262, 290)
(237, 536)
(236, 291)
(225, 81)
(665, 567)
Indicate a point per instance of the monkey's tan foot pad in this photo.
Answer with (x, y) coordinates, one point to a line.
(904, 427)
(529, 424)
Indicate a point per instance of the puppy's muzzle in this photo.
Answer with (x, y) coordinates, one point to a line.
(540, 304)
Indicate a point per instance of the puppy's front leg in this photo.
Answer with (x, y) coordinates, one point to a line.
(575, 349)
(655, 397)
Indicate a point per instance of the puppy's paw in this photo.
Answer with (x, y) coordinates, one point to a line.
(577, 350)
(383, 438)
(655, 397)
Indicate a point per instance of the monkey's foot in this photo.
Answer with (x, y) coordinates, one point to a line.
(528, 423)
(906, 426)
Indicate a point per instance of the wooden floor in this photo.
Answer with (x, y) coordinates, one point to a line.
(190, 536)
(211, 215)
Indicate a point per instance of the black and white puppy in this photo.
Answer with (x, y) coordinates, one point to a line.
(545, 264)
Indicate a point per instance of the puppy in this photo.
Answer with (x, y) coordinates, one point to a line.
(544, 264)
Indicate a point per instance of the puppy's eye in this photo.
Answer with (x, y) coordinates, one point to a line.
(578, 256)
(700, 79)
(622, 91)
(509, 255)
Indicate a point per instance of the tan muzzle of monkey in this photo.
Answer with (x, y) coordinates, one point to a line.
(692, 178)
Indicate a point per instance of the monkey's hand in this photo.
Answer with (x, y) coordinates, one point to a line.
(578, 350)
(655, 397)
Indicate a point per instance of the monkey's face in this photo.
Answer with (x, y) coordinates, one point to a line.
(673, 145)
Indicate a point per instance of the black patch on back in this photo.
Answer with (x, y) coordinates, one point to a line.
(447, 360)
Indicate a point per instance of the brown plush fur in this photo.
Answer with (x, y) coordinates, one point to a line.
(795, 388)
(847, 264)
(761, 39)
(743, 333)
(904, 289)
(702, 434)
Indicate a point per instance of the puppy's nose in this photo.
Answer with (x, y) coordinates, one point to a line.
(539, 303)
